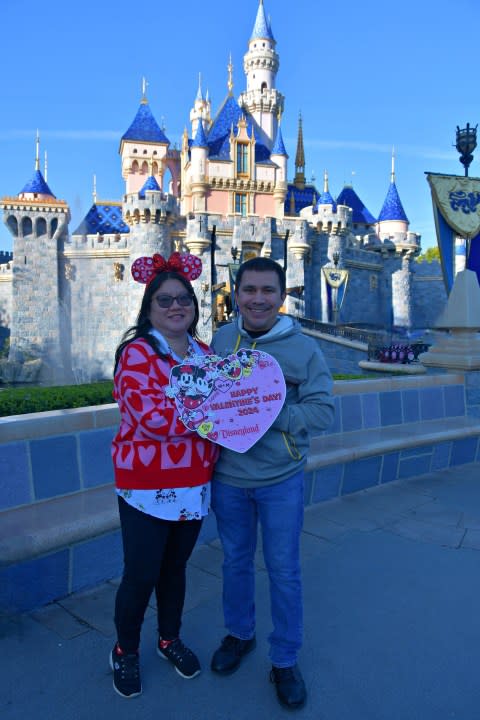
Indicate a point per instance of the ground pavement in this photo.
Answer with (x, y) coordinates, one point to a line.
(392, 624)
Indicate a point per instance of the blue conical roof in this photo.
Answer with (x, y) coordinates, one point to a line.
(278, 145)
(145, 128)
(37, 184)
(392, 208)
(200, 139)
(150, 184)
(262, 29)
(326, 199)
(360, 214)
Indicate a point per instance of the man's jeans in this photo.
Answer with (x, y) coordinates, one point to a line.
(279, 508)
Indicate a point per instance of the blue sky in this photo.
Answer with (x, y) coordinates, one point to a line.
(365, 76)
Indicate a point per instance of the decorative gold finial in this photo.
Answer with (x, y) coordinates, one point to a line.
(94, 189)
(392, 177)
(325, 181)
(37, 151)
(230, 75)
(144, 100)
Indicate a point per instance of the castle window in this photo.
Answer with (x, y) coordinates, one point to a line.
(241, 203)
(242, 159)
(264, 87)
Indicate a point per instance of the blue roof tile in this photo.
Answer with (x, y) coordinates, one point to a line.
(303, 198)
(200, 139)
(360, 214)
(145, 128)
(392, 208)
(103, 218)
(150, 184)
(279, 146)
(218, 138)
(37, 185)
(262, 29)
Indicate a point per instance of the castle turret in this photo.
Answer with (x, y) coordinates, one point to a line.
(280, 158)
(201, 110)
(198, 155)
(144, 150)
(393, 222)
(261, 99)
(38, 222)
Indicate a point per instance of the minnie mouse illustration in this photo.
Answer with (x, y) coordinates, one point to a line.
(248, 359)
(230, 367)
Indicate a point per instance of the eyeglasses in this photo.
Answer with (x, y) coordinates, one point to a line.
(166, 301)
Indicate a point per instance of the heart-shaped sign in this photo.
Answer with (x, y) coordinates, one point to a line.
(231, 401)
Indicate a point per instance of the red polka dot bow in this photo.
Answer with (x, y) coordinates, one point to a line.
(144, 269)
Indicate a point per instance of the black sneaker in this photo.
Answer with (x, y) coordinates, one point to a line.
(126, 674)
(182, 658)
(291, 691)
(229, 655)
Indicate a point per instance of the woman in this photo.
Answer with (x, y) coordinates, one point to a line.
(162, 469)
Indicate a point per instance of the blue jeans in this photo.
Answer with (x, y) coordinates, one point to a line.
(279, 508)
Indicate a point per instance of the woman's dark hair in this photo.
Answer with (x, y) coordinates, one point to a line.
(261, 264)
(142, 326)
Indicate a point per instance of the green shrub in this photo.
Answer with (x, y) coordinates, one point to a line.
(18, 401)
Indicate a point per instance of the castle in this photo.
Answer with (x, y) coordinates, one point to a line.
(68, 297)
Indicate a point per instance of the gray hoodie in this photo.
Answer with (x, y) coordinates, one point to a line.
(308, 408)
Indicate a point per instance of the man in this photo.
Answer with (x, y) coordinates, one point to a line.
(265, 484)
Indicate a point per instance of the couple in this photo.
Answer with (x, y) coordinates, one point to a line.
(163, 472)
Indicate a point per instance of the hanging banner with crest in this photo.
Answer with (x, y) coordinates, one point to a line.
(336, 279)
(456, 209)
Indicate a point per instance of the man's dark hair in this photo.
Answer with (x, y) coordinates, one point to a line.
(262, 264)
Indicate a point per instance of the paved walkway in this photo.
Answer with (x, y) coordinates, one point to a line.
(392, 624)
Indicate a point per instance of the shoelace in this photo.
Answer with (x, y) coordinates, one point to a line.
(128, 665)
(177, 650)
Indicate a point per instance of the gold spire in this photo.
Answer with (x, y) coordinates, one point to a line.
(144, 100)
(392, 177)
(299, 180)
(37, 151)
(325, 181)
(94, 189)
(230, 75)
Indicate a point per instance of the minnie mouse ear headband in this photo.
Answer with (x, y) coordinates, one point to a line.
(144, 269)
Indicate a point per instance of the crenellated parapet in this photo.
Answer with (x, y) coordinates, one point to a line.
(156, 208)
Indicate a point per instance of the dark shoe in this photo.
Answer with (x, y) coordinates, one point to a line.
(229, 655)
(184, 660)
(126, 674)
(291, 691)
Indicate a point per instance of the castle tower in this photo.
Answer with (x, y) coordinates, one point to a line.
(144, 150)
(280, 158)
(299, 179)
(392, 218)
(198, 154)
(38, 222)
(261, 98)
(201, 110)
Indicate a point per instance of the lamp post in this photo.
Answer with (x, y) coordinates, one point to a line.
(466, 142)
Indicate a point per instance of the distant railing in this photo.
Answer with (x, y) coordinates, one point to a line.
(344, 331)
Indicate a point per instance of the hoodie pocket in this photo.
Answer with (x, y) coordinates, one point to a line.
(291, 446)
